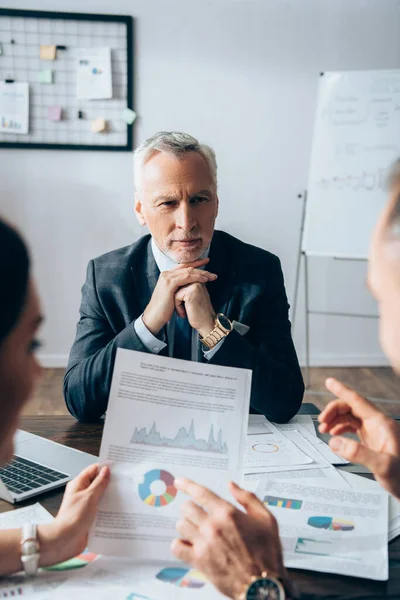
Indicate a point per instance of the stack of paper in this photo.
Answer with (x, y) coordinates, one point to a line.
(289, 451)
(330, 520)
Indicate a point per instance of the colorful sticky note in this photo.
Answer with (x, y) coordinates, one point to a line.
(54, 113)
(128, 115)
(46, 76)
(98, 125)
(48, 52)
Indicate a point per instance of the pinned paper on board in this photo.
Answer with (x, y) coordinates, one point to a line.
(129, 116)
(46, 76)
(48, 52)
(54, 113)
(94, 75)
(14, 107)
(98, 125)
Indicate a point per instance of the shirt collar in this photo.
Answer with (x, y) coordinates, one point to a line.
(164, 262)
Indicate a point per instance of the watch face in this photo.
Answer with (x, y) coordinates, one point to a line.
(265, 589)
(224, 321)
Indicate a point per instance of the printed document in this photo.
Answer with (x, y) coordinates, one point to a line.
(166, 418)
(35, 513)
(14, 107)
(319, 444)
(267, 449)
(364, 483)
(330, 530)
(94, 75)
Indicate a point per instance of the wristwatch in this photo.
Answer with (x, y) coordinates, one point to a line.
(268, 587)
(30, 555)
(222, 328)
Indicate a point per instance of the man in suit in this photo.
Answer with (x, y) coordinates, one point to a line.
(157, 296)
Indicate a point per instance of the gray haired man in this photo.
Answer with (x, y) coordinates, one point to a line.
(185, 291)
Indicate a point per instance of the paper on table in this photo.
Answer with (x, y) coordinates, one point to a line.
(333, 476)
(272, 451)
(125, 580)
(364, 483)
(94, 75)
(320, 472)
(305, 421)
(258, 424)
(35, 513)
(14, 107)
(331, 530)
(319, 444)
(165, 418)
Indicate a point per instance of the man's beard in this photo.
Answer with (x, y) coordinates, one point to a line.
(186, 255)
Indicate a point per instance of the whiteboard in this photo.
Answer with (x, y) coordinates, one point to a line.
(356, 139)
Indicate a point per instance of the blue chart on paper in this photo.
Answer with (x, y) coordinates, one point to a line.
(185, 439)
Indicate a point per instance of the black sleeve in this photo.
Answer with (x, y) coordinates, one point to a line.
(267, 349)
(88, 377)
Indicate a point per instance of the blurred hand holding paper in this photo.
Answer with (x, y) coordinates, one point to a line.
(166, 418)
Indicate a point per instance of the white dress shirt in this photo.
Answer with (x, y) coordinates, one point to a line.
(150, 341)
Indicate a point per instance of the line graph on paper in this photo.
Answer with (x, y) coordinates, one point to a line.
(185, 439)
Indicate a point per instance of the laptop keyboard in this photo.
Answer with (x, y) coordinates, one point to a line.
(22, 475)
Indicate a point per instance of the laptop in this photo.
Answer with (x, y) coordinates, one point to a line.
(38, 466)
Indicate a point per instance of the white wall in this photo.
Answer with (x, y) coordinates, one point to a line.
(242, 76)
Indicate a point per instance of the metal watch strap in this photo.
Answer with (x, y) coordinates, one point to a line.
(215, 336)
(30, 555)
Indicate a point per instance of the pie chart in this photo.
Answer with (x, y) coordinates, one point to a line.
(181, 577)
(157, 488)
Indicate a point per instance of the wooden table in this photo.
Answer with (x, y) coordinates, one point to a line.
(86, 437)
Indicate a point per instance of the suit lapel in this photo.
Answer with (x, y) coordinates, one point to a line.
(223, 265)
(145, 275)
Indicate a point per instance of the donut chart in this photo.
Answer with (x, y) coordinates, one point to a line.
(145, 493)
(265, 448)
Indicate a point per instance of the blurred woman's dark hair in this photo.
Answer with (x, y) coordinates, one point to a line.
(14, 277)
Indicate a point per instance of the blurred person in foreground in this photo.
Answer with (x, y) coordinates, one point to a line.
(240, 551)
(20, 318)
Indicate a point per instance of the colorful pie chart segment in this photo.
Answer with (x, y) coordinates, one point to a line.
(145, 491)
(188, 578)
(331, 524)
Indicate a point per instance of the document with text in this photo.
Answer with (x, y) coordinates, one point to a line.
(166, 418)
(331, 530)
